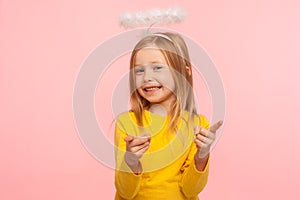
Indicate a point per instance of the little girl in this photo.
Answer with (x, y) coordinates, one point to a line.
(162, 145)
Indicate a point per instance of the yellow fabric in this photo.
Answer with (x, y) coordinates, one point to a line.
(169, 170)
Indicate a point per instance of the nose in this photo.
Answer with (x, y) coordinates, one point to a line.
(148, 76)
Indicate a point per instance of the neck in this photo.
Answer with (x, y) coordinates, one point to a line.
(162, 109)
(158, 109)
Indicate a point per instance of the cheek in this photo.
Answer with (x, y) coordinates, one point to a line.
(168, 82)
(138, 81)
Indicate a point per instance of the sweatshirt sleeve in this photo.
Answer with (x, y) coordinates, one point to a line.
(193, 181)
(126, 182)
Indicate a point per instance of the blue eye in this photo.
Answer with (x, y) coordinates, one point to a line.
(157, 67)
(138, 70)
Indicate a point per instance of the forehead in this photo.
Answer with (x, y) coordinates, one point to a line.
(149, 55)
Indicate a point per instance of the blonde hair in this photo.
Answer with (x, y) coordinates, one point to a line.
(176, 54)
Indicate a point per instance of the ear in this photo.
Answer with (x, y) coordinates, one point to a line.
(189, 71)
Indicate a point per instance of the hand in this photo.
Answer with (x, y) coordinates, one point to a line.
(136, 146)
(204, 139)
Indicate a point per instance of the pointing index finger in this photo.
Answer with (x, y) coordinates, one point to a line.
(216, 126)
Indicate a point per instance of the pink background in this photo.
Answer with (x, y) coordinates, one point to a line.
(254, 44)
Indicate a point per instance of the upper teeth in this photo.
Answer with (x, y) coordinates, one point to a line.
(152, 88)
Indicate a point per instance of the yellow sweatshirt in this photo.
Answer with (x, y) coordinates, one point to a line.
(169, 170)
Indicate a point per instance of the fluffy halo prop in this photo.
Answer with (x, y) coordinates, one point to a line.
(151, 17)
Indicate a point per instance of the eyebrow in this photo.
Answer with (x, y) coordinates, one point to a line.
(153, 62)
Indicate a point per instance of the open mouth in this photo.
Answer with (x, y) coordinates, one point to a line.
(151, 88)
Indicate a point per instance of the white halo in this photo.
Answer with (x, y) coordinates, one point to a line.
(151, 17)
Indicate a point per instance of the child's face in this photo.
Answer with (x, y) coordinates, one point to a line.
(154, 80)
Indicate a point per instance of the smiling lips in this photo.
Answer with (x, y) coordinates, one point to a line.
(151, 88)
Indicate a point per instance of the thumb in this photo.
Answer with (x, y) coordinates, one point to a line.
(216, 126)
(145, 135)
(128, 138)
